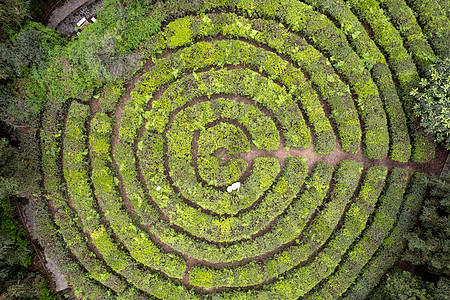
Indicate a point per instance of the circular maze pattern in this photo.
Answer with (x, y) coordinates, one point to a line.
(296, 101)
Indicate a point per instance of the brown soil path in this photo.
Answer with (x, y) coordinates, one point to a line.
(433, 167)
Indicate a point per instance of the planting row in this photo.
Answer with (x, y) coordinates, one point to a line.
(151, 160)
(238, 82)
(77, 177)
(103, 127)
(75, 243)
(241, 82)
(404, 20)
(401, 62)
(423, 149)
(388, 38)
(330, 86)
(373, 235)
(225, 229)
(298, 282)
(435, 21)
(370, 105)
(393, 245)
(140, 247)
(346, 180)
(162, 189)
(235, 79)
(179, 140)
(375, 62)
(287, 227)
(98, 125)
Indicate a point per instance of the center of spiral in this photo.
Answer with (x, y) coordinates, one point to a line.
(217, 146)
(222, 155)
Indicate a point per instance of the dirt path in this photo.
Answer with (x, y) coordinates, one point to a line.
(432, 167)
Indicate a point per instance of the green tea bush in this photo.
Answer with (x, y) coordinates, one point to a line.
(369, 242)
(302, 103)
(393, 245)
(401, 62)
(434, 20)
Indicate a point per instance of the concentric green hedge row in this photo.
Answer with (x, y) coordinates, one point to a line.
(305, 104)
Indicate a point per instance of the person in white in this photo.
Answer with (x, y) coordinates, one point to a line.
(233, 187)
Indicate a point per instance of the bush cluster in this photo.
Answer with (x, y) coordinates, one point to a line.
(433, 104)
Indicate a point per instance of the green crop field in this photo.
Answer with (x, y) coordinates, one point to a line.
(306, 103)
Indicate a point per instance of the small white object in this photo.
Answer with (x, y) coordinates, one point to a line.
(93, 19)
(81, 21)
(233, 187)
(158, 188)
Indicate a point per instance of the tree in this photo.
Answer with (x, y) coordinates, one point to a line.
(433, 102)
(401, 285)
(13, 13)
(31, 47)
(16, 281)
(429, 243)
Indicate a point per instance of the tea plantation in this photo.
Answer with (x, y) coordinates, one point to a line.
(306, 103)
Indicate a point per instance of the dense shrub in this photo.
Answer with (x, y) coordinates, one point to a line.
(16, 252)
(429, 243)
(433, 102)
(31, 47)
(12, 16)
(400, 284)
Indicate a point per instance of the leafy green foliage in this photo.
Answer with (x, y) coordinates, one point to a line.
(12, 16)
(17, 247)
(383, 219)
(402, 16)
(429, 243)
(321, 228)
(403, 66)
(214, 169)
(374, 61)
(102, 51)
(132, 185)
(402, 285)
(433, 102)
(22, 64)
(393, 245)
(434, 20)
(16, 281)
(127, 23)
(31, 47)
